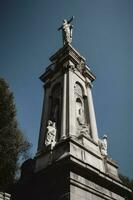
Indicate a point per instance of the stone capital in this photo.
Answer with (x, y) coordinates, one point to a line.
(47, 84)
(71, 67)
(89, 84)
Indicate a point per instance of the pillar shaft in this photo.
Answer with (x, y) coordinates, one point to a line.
(93, 124)
(71, 104)
(63, 123)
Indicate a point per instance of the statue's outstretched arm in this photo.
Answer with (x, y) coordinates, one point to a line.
(71, 20)
(60, 28)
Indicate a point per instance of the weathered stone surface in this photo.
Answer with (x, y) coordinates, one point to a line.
(68, 178)
(68, 99)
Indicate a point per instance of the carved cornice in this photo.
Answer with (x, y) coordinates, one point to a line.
(67, 50)
(75, 61)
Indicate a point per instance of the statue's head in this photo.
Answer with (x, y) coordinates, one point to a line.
(64, 21)
(49, 122)
(105, 137)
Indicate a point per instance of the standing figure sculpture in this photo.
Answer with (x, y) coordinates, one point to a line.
(66, 31)
(51, 134)
(103, 145)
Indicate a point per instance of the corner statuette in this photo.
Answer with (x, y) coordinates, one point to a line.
(103, 145)
(66, 28)
(50, 134)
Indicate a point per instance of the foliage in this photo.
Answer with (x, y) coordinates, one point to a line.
(13, 144)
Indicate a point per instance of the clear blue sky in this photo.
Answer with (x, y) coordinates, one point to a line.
(102, 34)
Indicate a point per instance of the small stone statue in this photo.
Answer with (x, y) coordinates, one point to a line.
(51, 134)
(103, 145)
(80, 117)
(66, 31)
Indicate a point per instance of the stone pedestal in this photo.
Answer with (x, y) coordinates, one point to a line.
(70, 172)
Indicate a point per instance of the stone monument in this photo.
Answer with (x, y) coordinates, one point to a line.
(71, 162)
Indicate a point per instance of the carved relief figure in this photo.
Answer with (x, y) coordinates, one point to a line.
(81, 121)
(50, 134)
(79, 111)
(66, 31)
(103, 145)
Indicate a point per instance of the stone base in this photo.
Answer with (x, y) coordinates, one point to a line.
(82, 148)
(69, 173)
(88, 184)
(69, 179)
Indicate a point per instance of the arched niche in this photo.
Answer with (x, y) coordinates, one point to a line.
(55, 107)
(81, 110)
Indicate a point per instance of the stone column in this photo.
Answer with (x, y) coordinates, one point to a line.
(63, 120)
(93, 124)
(71, 102)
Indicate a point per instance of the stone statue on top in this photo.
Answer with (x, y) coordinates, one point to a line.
(67, 28)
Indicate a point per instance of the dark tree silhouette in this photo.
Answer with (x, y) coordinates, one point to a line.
(13, 145)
